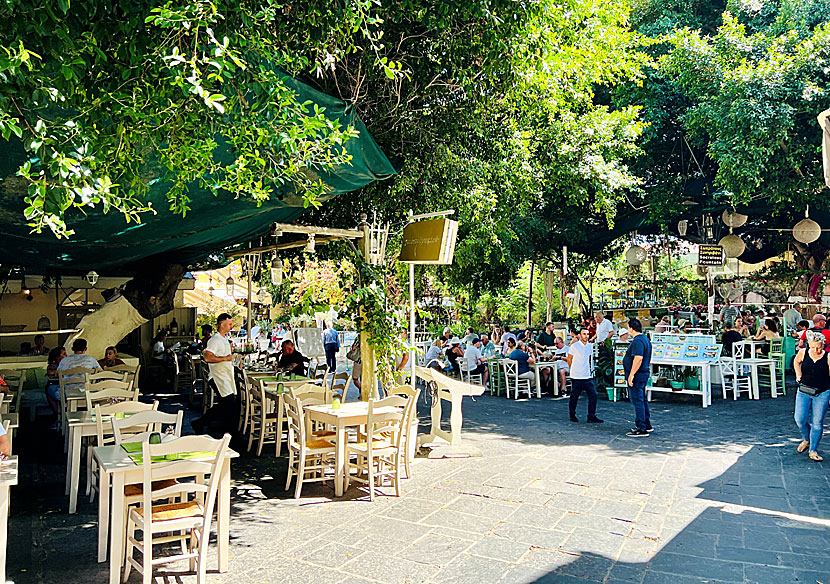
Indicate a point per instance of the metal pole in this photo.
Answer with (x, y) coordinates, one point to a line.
(250, 324)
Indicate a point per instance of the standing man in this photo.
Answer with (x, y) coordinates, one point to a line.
(219, 357)
(637, 364)
(331, 343)
(792, 316)
(605, 328)
(580, 356)
(729, 313)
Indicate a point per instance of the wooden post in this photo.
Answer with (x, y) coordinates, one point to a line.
(530, 295)
(368, 362)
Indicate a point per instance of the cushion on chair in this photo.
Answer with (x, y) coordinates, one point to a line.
(174, 511)
(375, 444)
(138, 488)
(318, 444)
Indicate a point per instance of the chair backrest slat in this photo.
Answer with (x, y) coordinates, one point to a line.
(104, 431)
(142, 422)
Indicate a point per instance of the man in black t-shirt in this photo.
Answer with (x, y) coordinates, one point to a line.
(546, 339)
(730, 337)
(291, 359)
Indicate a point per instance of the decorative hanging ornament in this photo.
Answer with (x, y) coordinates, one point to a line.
(635, 255)
(276, 270)
(733, 246)
(229, 286)
(43, 323)
(682, 227)
(733, 219)
(806, 230)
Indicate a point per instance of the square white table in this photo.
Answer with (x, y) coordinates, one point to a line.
(753, 365)
(117, 470)
(705, 391)
(554, 371)
(8, 478)
(349, 414)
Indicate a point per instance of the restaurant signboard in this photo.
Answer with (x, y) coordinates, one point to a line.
(709, 255)
(429, 242)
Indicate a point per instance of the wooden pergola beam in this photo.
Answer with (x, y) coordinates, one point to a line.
(323, 235)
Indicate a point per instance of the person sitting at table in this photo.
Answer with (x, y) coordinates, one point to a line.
(158, 347)
(505, 343)
(433, 356)
(53, 386)
(766, 333)
(468, 338)
(40, 347)
(748, 322)
(496, 338)
(445, 337)
(729, 338)
(524, 361)
(292, 360)
(545, 372)
(476, 362)
(78, 358)
(453, 352)
(819, 326)
(592, 327)
(800, 327)
(560, 355)
(207, 332)
(664, 326)
(110, 358)
(546, 338)
(488, 347)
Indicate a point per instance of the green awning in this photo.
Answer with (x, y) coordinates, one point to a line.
(109, 245)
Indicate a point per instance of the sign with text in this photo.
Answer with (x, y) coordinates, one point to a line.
(709, 255)
(429, 242)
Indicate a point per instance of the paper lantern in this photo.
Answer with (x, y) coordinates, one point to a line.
(733, 246)
(635, 255)
(806, 231)
(732, 219)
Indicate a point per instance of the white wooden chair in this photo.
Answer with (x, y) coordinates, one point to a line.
(410, 415)
(264, 418)
(340, 384)
(245, 403)
(134, 427)
(464, 365)
(730, 371)
(209, 395)
(313, 395)
(75, 377)
(187, 521)
(104, 435)
(308, 458)
(110, 391)
(108, 375)
(511, 377)
(379, 454)
(319, 374)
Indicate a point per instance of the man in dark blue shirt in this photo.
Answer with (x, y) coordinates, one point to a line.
(637, 364)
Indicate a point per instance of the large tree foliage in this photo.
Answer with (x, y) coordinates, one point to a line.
(495, 114)
(108, 97)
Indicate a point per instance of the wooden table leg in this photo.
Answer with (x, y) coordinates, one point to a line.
(223, 518)
(4, 530)
(773, 380)
(117, 528)
(756, 391)
(75, 449)
(69, 465)
(103, 513)
(340, 461)
(280, 408)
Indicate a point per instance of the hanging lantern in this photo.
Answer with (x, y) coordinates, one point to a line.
(309, 246)
(92, 278)
(276, 271)
(733, 246)
(264, 296)
(682, 227)
(229, 286)
(806, 231)
(43, 323)
(210, 290)
(733, 219)
(635, 255)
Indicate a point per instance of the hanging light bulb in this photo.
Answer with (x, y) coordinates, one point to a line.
(276, 270)
(229, 286)
(92, 278)
(309, 247)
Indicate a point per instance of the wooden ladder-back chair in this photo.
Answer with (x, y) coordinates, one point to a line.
(308, 458)
(512, 379)
(70, 377)
(379, 454)
(15, 379)
(245, 403)
(410, 417)
(265, 418)
(109, 391)
(340, 384)
(187, 521)
(313, 395)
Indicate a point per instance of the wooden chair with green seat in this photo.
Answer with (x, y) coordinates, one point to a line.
(497, 383)
(776, 351)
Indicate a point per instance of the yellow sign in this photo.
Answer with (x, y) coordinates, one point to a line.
(429, 242)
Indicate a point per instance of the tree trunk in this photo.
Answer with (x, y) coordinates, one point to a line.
(530, 296)
(149, 294)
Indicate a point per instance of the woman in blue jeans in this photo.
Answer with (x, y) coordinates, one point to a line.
(812, 372)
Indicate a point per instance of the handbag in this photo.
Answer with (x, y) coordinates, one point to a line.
(354, 352)
(807, 390)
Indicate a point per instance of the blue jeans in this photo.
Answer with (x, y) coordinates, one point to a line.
(577, 386)
(637, 395)
(331, 356)
(811, 426)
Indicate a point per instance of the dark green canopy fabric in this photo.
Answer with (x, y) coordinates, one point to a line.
(107, 244)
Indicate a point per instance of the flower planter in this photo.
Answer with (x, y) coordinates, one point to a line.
(692, 383)
(676, 385)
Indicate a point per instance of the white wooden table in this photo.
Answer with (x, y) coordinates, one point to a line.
(272, 390)
(753, 365)
(80, 424)
(751, 344)
(117, 470)
(75, 400)
(8, 478)
(349, 414)
(705, 390)
(554, 372)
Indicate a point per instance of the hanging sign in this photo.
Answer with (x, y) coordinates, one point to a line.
(710, 255)
(429, 242)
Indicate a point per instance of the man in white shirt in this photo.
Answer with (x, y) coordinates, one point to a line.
(476, 361)
(580, 357)
(792, 316)
(605, 329)
(219, 357)
(488, 347)
(79, 358)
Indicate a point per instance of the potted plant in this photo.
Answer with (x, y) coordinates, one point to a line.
(690, 379)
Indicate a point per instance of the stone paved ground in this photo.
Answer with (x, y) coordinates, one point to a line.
(714, 495)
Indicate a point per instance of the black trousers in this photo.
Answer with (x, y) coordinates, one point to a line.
(331, 356)
(224, 414)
